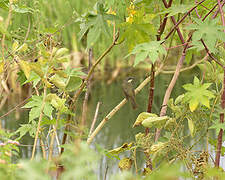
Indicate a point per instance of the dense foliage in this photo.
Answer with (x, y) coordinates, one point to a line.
(54, 49)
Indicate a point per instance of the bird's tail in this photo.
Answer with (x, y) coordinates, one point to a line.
(133, 103)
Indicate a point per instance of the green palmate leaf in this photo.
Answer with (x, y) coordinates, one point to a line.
(132, 30)
(197, 94)
(209, 31)
(25, 128)
(141, 56)
(96, 24)
(176, 9)
(35, 104)
(193, 104)
(151, 50)
(57, 102)
(48, 109)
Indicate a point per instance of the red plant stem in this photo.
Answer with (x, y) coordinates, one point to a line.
(220, 135)
(173, 20)
(215, 14)
(151, 93)
(163, 24)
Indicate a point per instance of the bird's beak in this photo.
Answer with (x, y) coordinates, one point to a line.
(130, 80)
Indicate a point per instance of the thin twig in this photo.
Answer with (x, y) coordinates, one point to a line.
(18, 105)
(95, 118)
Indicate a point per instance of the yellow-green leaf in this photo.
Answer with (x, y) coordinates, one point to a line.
(205, 101)
(157, 122)
(193, 104)
(58, 82)
(141, 117)
(25, 66)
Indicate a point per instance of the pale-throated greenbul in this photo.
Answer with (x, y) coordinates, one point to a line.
(128, 90)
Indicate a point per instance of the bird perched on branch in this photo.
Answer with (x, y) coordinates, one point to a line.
(128, 90)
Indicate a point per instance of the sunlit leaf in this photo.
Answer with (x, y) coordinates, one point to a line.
(193, 104)
(197, 93)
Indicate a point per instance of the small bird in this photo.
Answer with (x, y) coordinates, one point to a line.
(128, 90)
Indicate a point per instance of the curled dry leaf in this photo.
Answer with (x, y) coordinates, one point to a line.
(141, 117)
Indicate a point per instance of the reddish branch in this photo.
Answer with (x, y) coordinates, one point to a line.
(163, 24)
(220, 135)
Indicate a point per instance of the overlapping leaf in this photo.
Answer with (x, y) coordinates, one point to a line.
(209, 31)
(151, 50)
(176, 9)
(197, 93)
(95, 24)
